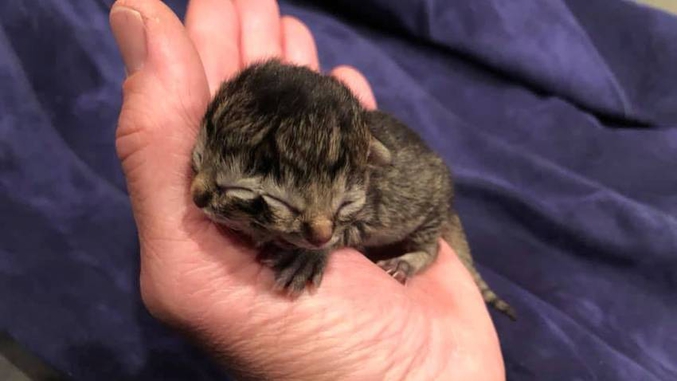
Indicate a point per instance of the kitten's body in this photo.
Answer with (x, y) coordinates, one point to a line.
(290, 158)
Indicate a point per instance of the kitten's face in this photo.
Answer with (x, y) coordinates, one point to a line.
(307, 214)
(284, 154)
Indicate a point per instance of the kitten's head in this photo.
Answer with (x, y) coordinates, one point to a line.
(285, 154)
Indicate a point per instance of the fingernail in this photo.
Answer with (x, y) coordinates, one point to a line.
(130, 34)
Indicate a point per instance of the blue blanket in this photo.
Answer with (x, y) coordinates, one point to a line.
(557, 116)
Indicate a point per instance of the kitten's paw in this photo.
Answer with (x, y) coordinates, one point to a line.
(295, 270)
(405, 266)
(398, 268)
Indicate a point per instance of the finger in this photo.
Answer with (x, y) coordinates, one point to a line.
(164, 98)
(260, 36)
(298, 43)
(213, 27)
(357, 83)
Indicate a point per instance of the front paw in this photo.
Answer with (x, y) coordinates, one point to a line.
(398, 268)
(407, 265)
(296, 269)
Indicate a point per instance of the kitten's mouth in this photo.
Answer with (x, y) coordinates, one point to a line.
(310, 246)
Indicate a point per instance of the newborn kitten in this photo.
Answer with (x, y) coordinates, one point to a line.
(291, 159)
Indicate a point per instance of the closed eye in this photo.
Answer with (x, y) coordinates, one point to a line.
(348, 207)
(239, 192)
(345, 204)
(279, 203)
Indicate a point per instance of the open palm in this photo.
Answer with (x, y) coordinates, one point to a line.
(360, 324)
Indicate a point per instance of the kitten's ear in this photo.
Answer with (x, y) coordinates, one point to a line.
(379, 154)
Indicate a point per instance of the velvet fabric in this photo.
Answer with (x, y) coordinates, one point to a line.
(558, 118)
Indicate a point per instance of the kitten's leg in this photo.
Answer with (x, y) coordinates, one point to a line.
(454, 234)
(295, 269)
(405, 266)
(420, 251)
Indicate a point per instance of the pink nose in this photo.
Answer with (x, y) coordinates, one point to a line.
(200, 192)
(319, 240)
(319, 233)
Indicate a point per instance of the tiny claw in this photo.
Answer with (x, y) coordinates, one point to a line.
(296, 271)
(280, 284)
(294, 291)
(267, 261)
(397, 268)
(317, 279)
(400, 276)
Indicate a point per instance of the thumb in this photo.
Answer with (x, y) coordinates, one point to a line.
(165, 94)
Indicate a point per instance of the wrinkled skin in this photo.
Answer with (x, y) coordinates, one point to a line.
(362, 324)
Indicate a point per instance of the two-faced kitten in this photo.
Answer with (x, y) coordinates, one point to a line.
(291, 159)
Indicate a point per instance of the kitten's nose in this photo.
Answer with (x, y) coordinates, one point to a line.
(199, 190)
(319, 232)
(201, 199)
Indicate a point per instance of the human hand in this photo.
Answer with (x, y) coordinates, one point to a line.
(360, 324)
